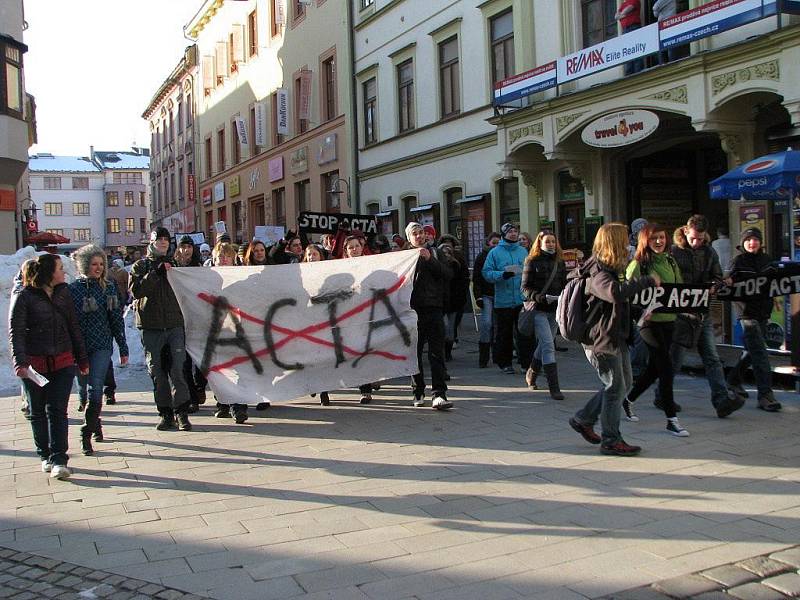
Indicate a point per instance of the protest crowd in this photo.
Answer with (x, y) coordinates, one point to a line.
(521, 286)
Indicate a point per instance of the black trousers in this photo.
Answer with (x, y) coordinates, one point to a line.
(658, 337)
(505, 334)
(430, 327)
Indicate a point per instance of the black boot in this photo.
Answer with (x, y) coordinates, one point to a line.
(448, 351)
(167, 420)
(86, 442)
(483, 354)
(98, 430)
(551, 371)
(90, 419)
(183, 420)
(532, 373)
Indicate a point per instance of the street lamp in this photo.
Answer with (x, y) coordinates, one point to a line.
(335, 188)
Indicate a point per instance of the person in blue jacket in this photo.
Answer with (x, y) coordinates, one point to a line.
(100, 317)
(503, 268)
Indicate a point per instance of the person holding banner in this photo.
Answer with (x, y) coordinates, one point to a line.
(609, 294)
(256, 254)
(427, 299)
(657, 328)
(159, 318)
(754, 313)
(317, 253)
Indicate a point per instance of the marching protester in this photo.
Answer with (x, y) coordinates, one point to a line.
(317, 253)
(483, 291)
(503, 268)
(656, 328)
(699, 263)
(205, 252)
(45, 337)
(287, 251)
(256, 254)
(753, 315)
(459, 290)
(100, 318)
(427, 300)
(606, 345)
(544, 275)
(159, 318)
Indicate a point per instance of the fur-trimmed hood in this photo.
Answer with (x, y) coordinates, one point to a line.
(83, 258)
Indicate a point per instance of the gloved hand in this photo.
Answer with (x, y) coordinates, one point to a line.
(479, 303)
(507, 274)
(540, 298)
(161, 269)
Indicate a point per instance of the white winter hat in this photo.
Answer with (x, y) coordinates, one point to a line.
(205, 248)
(411, 227)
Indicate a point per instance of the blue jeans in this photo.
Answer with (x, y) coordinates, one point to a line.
(99, 363)
(486, 323)
(615, 373)
(544, 324)
(707, 348)
(635, 65)
(49, 414)
(755, 354)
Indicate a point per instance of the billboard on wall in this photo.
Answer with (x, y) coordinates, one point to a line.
(620, 128)
(525, 84)
(712, 18)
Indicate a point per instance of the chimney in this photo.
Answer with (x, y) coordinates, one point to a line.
(91, 152)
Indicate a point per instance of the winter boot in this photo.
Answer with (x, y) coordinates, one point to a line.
(90, 419)
(448, 351)
(183, 420)
(532, 373)
(98, 430)
(483, 354)
(86, 442)
(167, 420)
(111, 398)
(551, 371)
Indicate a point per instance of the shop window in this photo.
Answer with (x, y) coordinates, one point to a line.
(597, 21)
(502, 50)
(238, 223)
(405, 93)
(370, 89)
(508, 193)
(449, 86)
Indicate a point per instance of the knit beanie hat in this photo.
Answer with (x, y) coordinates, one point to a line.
(506, 228)
(430, 230)
(751, 232)
(159, 232)
(411, 227)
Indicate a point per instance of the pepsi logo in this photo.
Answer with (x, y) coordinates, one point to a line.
(761, 165)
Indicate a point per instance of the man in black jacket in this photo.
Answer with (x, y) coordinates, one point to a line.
(427, 299)
(159, 318)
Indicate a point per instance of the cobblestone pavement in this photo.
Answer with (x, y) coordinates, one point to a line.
(497, 499)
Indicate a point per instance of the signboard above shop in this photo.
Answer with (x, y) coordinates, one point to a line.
(620, 128)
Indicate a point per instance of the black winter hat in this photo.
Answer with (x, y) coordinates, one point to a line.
(751, 232)
(159, 232)
(186, 239)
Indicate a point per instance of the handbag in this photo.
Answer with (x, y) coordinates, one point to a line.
(687, 331)
(525, 320)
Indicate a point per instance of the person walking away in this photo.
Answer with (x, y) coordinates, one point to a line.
(45, 337)
(100, 318)
(656, 329)
(483, 291)
(503, 268)
(159, 318)
(605, 344)
(427, 299)
(753, 315)
(544, 274)
(120, 276)
(699, 263)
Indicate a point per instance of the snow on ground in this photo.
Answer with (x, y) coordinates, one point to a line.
(9, 267)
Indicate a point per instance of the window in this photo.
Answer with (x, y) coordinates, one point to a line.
(11, 80)
(451, 198)
(172, 195)
(252, 34)
(221, 150)
(130, 225)
(252, 140)
(209, 154)
(366, 3)
(405, 90)
(238, 223)
(180, 184)
(128, 177)
(189, 113)
(141, 199)
(112, 225)
(370, 88)
(448, 77)
(329, 88)
(275, 26)
(597, 21)
(508, 191)
(112, 198)
(301, 125)
(279, 202)
(502, 31)
(180, 115)
(52, 209)
(171, 127)
(302, 193)
(128, 198)
(409, 203)
(81, 235)
(331, 202)
(80, 183)
(52, 183)
(236, 147)
(142, 225)
(80, 209)
(55, 231)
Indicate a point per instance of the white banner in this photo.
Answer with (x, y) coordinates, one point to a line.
(241, 131)
(282, 118)
(261, 124)
(281, 332)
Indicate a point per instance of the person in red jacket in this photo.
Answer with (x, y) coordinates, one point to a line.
(629, 16)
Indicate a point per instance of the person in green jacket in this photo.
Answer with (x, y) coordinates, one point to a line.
(651, 257)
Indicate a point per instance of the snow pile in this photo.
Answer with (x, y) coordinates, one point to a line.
(9, 267)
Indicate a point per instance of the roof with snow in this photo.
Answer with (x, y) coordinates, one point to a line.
(122, 160)
(44, 162)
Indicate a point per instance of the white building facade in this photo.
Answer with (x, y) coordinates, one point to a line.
(69, 195)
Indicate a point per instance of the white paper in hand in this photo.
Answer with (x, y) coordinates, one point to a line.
(37, 377)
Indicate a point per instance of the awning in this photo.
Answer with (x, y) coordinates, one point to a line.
(422, 208)
(473, 198)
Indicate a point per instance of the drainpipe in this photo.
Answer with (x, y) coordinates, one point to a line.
(353, 111)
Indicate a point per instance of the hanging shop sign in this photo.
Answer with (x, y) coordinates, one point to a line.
(260, 132)
(192, 188)
(282, 97)
(299, 160)
(233, 186)
(620, 128)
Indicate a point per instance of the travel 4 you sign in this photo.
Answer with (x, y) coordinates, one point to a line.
(620, 128)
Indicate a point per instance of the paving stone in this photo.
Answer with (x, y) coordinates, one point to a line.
(790, 557)
(686, 587)
(117, 580)
(712, 596)
(132, 584)
(730, 575)
(70, 581)
(81, 571)
(122, 595)
(170, 595)
(24, 596)
(763, 566)
(755, 591)
(151, 589)
(788, 583)
(97, 575)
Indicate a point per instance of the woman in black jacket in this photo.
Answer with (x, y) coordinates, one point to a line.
(46, 340)
(754, 314)
(544, 274)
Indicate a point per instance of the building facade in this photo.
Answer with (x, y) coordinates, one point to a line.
(17, 129)
(173, 147)
(126, 196)
(273, 112)
(68, 192)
